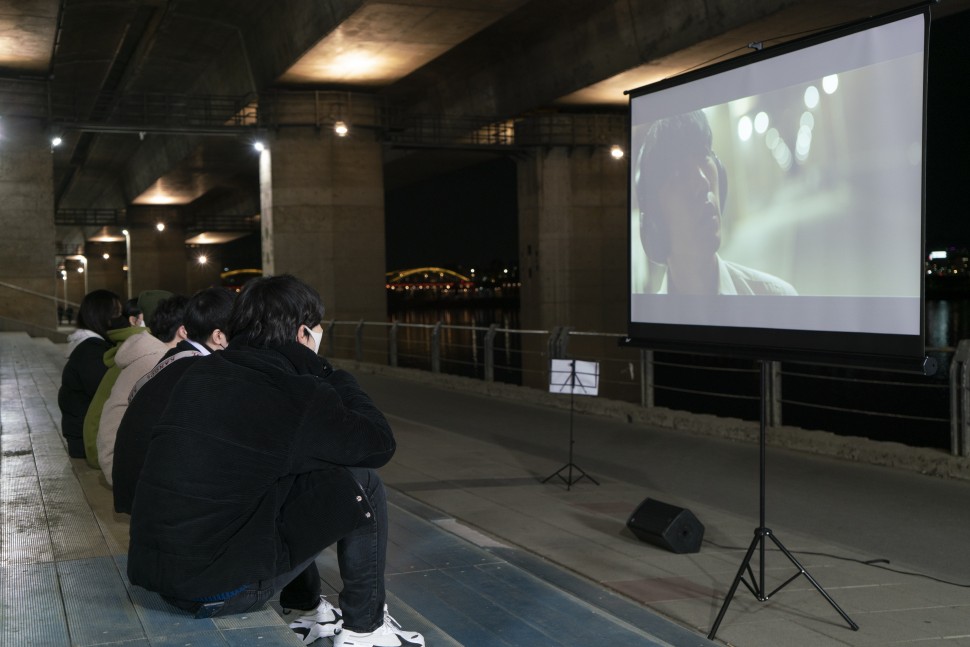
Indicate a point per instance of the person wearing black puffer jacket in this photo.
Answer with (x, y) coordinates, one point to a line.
(85, 365)
(264, 456)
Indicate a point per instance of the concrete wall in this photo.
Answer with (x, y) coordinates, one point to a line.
(27, 221)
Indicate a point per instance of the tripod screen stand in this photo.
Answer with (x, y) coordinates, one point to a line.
(573, 377)
(761, 533)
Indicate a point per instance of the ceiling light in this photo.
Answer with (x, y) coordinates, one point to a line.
(106, 256)
(341, 129)
(160, 226)
(616, 151)
(259, 146)
(56, 141)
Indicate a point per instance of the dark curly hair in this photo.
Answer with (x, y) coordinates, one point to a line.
(270, 310)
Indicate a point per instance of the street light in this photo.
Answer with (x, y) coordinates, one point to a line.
(64, 279)
(128, 257)
(82, 268)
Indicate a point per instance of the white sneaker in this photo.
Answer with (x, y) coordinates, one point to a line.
(322, 622)
(389, 634)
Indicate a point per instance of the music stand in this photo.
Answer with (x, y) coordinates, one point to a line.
(570, 376)
(757, 587)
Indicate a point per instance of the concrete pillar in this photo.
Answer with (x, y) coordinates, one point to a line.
(573, 240)
(322, 214)
(106, 273)
(573, 256)
(28, 277)
(158, 258)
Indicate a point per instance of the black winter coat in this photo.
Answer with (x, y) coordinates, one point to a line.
(135, 429)
(245, 427)
(79, 381)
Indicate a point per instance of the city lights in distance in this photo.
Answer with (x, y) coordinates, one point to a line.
(937, 255)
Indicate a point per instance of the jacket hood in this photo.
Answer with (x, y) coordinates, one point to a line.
(138, 346)
(77, 337)
(118, 335)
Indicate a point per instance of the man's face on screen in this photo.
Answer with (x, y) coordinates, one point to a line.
(690, 206)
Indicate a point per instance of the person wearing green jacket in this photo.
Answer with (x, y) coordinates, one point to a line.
(147, 302)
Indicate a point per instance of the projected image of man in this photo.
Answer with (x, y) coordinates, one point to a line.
(682, 189)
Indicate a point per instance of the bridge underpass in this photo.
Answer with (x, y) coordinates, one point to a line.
(157, 106)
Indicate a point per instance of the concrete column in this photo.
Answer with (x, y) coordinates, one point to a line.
(573, 240)
(27, 252)
(158, 258)
(107, 273)
(322, 216)
(573, 254)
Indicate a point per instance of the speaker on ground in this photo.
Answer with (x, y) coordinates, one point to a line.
(667, 526)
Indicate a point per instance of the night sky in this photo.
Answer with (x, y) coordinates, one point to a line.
(466, 219)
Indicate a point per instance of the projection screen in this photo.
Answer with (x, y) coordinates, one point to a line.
(777, 201)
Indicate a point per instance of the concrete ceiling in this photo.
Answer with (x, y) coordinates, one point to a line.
(143, 89)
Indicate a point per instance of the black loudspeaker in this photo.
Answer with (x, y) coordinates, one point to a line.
(667, 526)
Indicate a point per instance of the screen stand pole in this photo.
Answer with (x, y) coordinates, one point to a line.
(757, 588)
(570, 466)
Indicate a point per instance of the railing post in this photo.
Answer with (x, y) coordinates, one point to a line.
(646, 378)
(564, 342)
(436, 348)
(330, 338)
(554, 343)
(392, 344)
(359, 342)
(960, 400)
(490, 353)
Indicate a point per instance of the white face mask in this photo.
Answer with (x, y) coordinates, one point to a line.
(317, 338)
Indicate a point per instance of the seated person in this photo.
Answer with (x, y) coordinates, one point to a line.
(85, 364)
(135, 357)
(264, 456)
(120, 330)
(203, 324)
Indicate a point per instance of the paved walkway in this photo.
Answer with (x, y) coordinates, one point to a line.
(483, 553)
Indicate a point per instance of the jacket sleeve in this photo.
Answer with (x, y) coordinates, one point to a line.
(342, 425)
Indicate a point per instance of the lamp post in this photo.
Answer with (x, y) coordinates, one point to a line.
(84, 263)
(128, 257)
(64, 281)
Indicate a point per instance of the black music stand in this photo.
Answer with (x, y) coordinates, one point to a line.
(757, 588)
(565, 377)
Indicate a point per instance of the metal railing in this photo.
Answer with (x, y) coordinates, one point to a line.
(878, 404)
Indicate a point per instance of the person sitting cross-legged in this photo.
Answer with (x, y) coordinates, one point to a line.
(264, 456)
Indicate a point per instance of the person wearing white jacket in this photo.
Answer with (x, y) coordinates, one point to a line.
(136, 357)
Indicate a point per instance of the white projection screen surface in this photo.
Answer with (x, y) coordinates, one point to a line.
(777, 201)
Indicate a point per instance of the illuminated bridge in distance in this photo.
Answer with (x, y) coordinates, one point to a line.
(438, 284)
